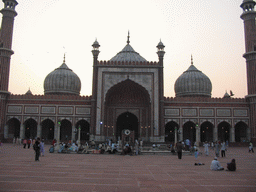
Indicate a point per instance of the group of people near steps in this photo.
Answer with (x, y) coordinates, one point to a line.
(219, 147)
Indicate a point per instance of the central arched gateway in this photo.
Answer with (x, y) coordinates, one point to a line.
(124, 121)
(127, 106)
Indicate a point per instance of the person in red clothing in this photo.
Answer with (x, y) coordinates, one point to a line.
(24, 143)
(29, 143)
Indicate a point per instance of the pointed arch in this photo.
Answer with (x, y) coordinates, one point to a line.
(13, 128)
(170, 131)
(127, 92)
(30, 126)
(189, 131)
(47, 129)
(241, 132)
(224, 131)
(65, 130)
(206, 131)
(85, 130)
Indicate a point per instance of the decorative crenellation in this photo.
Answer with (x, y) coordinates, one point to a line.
(51, 97)
(205, 99)
(127, 63)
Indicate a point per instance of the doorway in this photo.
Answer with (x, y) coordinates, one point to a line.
(129, 121)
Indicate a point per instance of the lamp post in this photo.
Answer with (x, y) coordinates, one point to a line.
(79, 136)
(57, 147)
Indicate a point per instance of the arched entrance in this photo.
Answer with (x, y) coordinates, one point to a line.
(189, 132)
(223, 131)
(65, 130)
(126, 121)
(14, 128)
(85, 130)
(47, 129)
(206, 132)
(30, 127)
(121, 98)
(170, 132)
(240, 132)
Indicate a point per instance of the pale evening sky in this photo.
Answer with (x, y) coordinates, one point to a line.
(211, 31)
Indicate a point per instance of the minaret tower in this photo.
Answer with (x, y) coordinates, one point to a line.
(6, 32)
(249, 17)
(160, 53)
(95, 53)
(8, 13)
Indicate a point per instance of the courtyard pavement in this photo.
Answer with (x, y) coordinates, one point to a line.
(95, 172)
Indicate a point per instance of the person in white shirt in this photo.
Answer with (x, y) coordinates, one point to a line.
(215, 165)
(223, 149)
(206, 148)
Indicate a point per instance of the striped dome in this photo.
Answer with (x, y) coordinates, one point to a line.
(62, 81)
(193, 83)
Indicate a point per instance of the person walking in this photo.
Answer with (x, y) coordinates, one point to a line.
(42, 147)
(29, 143)
(24, 143)
(179, 149)
(223, 149)
(251, 147)
(217, 149)
(36, 147)
(136, 147)
(206, 148)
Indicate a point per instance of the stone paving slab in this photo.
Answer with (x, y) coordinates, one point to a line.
(95, 172)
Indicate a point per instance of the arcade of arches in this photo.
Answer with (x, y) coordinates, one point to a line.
(206, 132)
(46, 130)
(127, 106)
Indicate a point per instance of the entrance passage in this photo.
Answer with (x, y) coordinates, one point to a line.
(127, 121)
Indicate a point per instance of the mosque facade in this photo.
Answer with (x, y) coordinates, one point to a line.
(127, 94)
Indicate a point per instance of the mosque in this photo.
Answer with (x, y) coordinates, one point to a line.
(127, 96)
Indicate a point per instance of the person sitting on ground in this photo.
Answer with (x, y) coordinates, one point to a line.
(215, 165)
(232, 165)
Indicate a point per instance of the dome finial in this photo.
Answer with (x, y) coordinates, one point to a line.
(128, 37)
(64, 59)
(192, 60)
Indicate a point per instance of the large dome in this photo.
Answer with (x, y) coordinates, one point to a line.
(193, 83)
(128, 54)
(62, 81)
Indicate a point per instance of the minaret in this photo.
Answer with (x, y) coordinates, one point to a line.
(6, 32)
(160, 53)
(249, 17)
(6, 41)
(95, 53)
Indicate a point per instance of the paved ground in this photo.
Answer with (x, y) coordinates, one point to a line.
(95, 172)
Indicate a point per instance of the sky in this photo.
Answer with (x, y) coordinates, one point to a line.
(211, 31)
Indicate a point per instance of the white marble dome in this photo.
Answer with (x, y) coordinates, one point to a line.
(193, 83)
(62, 81)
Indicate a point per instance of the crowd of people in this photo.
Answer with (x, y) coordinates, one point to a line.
(218, 148)
(109, 147)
